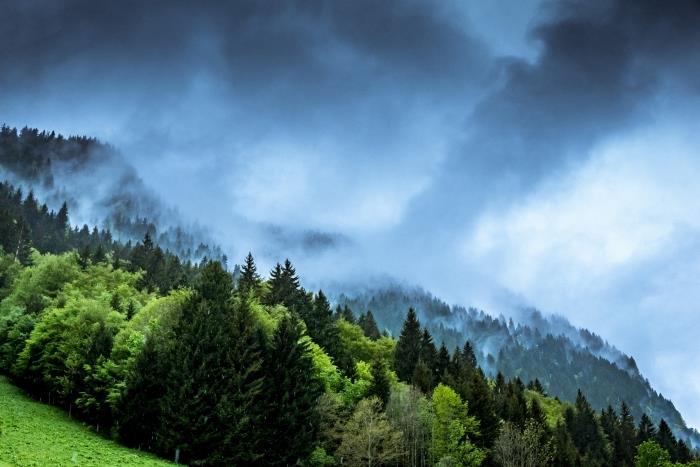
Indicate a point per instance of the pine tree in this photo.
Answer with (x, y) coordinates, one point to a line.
(408, 347)
(249, 280)
(347, 315)
(443, 361)
(369, 325)
(292, 391)
(646, 430)
(380, 387)
(585, 431)
(213, 389)
(275, 294)
(666, 439)
(627, 435)
(429, 355)
(422, 377)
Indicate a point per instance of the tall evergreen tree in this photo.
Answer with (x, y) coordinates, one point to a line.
(346, 313)
(408, 347)
(443, 361)
(213, 389)
(381, 386)
(249, 280)
(291, 391)
(645, 430)
(666, 439)
(627, 442)
(369, 325)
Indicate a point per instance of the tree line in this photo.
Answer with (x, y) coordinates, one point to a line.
(212, 370)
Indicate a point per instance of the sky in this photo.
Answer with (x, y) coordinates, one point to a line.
(496, 153)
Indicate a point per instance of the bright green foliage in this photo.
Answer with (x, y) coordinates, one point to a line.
(36, 434)
(322, 328)
(552, 409)
(361, 347)
(156, 316)
(324, 369)
(453, 429)
(37, 285)
(650, 454)
(66, 346)
(358, 388)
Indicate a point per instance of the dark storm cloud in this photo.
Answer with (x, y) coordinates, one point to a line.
(602, 68)
(302, 45)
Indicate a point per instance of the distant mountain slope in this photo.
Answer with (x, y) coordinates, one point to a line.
(561, 356)
(100, 186)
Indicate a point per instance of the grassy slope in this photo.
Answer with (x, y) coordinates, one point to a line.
(35, 434)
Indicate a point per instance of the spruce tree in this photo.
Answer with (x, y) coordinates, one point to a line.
(443, 361)
(408, 347)
(249, 280)
(627, 436)
(646, 430)
(422, 377)
(428, 353)
(276, 291)
(213, 389)
(369, 325)
(666, 439)
(292, 391)
(380, 387)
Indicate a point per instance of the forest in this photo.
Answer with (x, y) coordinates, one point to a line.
(200, 367)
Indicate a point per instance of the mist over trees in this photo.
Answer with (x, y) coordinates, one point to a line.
(187, 361)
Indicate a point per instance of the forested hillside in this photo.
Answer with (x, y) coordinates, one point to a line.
(184, 360)
(563, 358)
(93, 178)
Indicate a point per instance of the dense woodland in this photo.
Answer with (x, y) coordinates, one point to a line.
(564, 358)
(182, 360)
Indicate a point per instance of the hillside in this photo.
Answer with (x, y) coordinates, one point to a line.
(564, 358)
(36, 434)
(186, 359)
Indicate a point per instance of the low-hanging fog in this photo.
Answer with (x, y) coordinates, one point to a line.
(496, 153)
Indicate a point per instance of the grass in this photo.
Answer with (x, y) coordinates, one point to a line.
(35, 434)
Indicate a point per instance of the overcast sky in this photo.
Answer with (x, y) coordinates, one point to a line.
(496, 153)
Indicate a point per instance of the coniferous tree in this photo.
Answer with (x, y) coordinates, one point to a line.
(408, 347)
(585, 431)
(322, 329)
(346, 313)
(292, 391)
(213, 388)
(443, 361)
(249, 280)
(422, 377)
(369, 325)
(627, 436)
(645, 430)
(666, 439)
(276, 293)
(381, 386)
